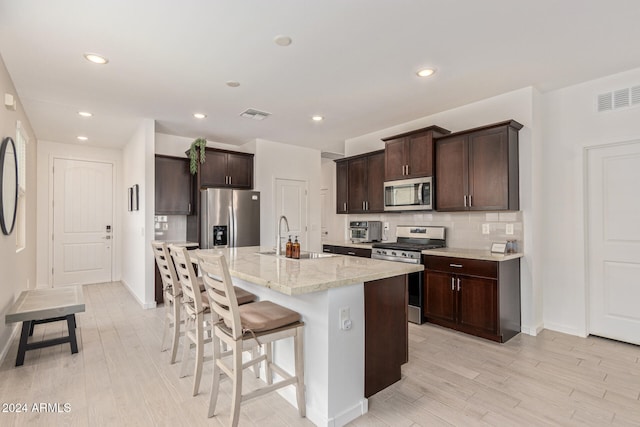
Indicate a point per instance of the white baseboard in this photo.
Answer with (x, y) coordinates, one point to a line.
(566, 329)
(16, 330)
(144, 305)
(532, 330)
(350, 414)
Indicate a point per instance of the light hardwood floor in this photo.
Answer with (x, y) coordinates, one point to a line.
(120, 377)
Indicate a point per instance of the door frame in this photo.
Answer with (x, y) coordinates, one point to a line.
(587, 234)
(306, 203)
(115, 220)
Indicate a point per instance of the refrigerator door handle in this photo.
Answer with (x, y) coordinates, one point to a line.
(232, 228)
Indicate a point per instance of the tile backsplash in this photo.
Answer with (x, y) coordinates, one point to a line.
(463, 229)
(170, 227)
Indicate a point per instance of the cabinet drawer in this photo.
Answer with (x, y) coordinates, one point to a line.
(470, 267)
(345, 250)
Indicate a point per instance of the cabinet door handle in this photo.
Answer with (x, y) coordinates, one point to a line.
(230, 180)
(345, 206)
(455, 265)
(407, 169)
(367, 205)
(458, 285)
(453, 284)
(465, 200)
(469, 200)
(189, 208)
(351, 253)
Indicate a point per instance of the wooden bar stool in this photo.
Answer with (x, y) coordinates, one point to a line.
(172, 294)
(243, 328)
(196, 305)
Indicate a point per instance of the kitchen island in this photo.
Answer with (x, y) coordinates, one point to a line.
(355, 314)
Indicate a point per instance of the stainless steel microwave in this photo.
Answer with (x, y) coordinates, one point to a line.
(409, 194)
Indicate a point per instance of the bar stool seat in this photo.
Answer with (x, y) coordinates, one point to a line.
(247, 327)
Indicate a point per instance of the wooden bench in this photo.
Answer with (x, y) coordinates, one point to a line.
(38, 306)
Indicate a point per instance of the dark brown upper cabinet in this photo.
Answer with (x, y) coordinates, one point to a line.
(173, 184)
(411, 154)
(359, 183)
(477, 169)
(226, 169)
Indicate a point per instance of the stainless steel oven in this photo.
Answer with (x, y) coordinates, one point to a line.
(412, 240)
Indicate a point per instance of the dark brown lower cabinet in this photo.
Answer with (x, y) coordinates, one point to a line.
(478, 297)
(347, 250)
(386, 339)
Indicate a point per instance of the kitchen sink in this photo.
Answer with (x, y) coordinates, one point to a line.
(303, 255)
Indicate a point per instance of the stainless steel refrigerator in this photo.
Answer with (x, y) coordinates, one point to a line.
(230, 218)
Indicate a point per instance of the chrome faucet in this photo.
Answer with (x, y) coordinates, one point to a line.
(279, 236)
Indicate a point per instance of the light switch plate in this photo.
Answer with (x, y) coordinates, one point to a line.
(509, 229)
(485, 229)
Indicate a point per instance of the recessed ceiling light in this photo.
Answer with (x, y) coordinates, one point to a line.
(199, 115)
(84, 114)
(83, 138)
(317, 118)
(282, 40)
(233, 83)
(95, 58)
(426, 72)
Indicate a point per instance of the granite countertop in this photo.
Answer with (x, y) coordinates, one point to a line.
(302, 276)
(481, 254)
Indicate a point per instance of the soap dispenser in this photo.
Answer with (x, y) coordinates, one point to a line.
(295, 250)
(289, 248)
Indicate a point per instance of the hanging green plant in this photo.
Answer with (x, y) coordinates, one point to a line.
(197, 145)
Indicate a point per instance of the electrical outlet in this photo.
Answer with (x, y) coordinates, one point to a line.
(345, 319)
(509, 229)
(485, 228)
(385, 225)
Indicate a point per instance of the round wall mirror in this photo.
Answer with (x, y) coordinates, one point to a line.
(8, 185)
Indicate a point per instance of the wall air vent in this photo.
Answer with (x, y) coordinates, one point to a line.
(635, 95)
(605, 102)
(621, 98)
(251, 113)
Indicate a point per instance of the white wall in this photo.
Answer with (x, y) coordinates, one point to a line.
(137, 258)
(517, 105)
(47, 151)
(276, 160)
(571, 123)
(173, 145)
(18, 269)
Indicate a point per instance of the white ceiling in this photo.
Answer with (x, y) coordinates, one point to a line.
(352, 61)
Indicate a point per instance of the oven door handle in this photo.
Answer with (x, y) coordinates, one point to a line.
(395, 259)
(420, 188)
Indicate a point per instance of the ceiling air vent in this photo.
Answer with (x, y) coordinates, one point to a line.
(621, 98)
(251, 113)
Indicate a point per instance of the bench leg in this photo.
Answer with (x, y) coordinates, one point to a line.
(32, 324)
(71, 323)
(22, 347)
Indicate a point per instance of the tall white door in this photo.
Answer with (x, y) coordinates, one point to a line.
(82, 222)
(325, 213)
(291, 201)
(613, 175)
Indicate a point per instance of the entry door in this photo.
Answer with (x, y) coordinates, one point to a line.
(325, 213)
(291, 201)
(82, 222)
(613, 175)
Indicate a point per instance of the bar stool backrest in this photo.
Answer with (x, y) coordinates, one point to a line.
(188, 280)
(217, 282)
(167, 271)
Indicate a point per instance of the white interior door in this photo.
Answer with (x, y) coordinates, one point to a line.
(82, 222)
(291, 201)
(613, 174)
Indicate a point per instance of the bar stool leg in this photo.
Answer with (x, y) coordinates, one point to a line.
(176, 329)
(186, 348)
(299, 362)
(197, 373)
(213, 396)
(236, 395)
